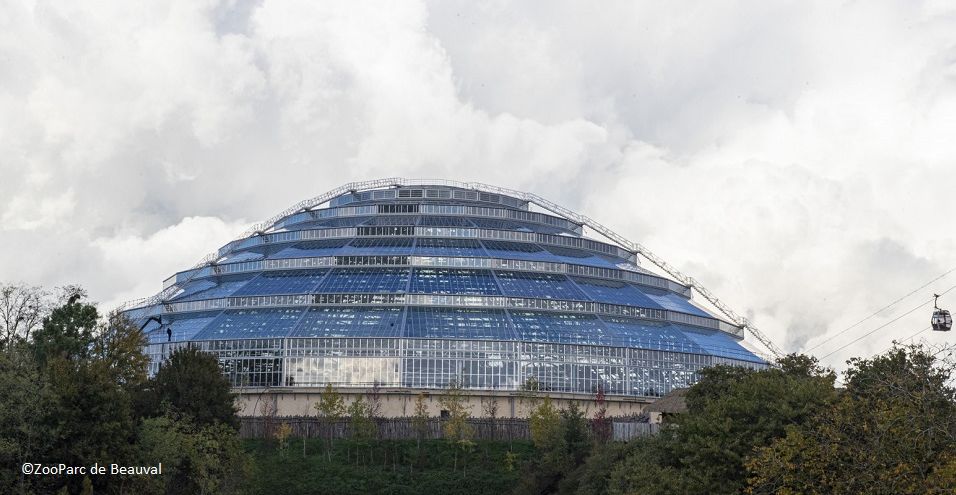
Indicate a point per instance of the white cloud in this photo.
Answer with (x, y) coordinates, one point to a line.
(796, 157)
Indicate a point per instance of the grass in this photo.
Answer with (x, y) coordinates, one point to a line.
(386, 467)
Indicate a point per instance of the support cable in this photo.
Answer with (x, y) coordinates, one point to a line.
(884, 308)
(871, 332)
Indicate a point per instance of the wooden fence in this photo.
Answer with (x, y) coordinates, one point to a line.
(624, 431)
(501, 429)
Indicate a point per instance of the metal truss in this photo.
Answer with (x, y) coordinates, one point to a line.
(268, 226)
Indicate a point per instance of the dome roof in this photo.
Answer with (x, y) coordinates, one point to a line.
(414, 272)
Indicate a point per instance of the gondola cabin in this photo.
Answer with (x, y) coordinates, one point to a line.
(942, 321)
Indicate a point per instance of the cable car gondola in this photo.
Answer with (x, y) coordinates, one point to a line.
(942, 321)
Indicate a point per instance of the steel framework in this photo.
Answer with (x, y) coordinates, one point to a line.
(269, 225)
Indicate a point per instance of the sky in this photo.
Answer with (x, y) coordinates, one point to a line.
(798, 158)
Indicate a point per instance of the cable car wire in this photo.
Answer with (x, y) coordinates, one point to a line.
(884, 308)
(871, 332)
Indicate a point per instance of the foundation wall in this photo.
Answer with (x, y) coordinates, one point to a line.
(401, 402)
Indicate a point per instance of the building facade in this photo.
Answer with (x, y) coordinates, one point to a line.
(409, 285)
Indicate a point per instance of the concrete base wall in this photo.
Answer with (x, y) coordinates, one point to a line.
(401, 402)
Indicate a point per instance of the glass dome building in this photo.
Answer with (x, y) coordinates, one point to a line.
(413, 284)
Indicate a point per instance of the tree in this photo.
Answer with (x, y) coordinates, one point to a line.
(731, 411)
(282, 436)
(331, 408)
(119, 343)
(602, 424)
(26, 398)
(191, 383)
(548, 435)
(196, 458)
(360, 422)
(22, 309)
(456, 427)
(892, 431)
(420, 422)
(68, 332)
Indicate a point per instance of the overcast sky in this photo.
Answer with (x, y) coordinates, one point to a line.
(799, 158)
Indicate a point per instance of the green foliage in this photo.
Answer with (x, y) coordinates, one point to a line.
(893, 431)
(420, 418)
(75, 394)
(545, 426)
(190, 383)
(731, 411)
(119, 345)
(66, 333)
(360, 420)
(561, 438)
(26, 398)
(197, 458)
(282, 437)
(331, 408)
(397, 470)
(591, 477)
(456, 428)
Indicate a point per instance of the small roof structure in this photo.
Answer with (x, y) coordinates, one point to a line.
(674, 402)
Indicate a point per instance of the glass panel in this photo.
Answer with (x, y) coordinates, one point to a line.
(579, 257)
(543, 285)
(184, 327)
(249, 323)
(450, 323)
(282, 282)
(400, 245)
(308, 249)
(448, 247)
(517, 250)
(350, 322)
(718, 344)
(365, 280)
(674, 302)
(648, 335)
(614, 292)
(561, 327)
(215, 287)
(440, 281)
(445, 222)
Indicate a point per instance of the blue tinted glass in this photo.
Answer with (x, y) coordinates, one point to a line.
(448, 247)
(448, 221)
(614, 292)
(365, 280)
(543, 285)
(378, 245)
(392, 220)
(649, 335)
(282, 282)
(194, 287)
(453, 323)
(518, 251)
(242, 256)
(184, 327)
(251, 323)
(452, 281)
(222, 287)
(308, 249)
(350, 322)
(341, 222)
(560, 327)
(718, 344)
(579, 257)
(496, 224)
(674, 302)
